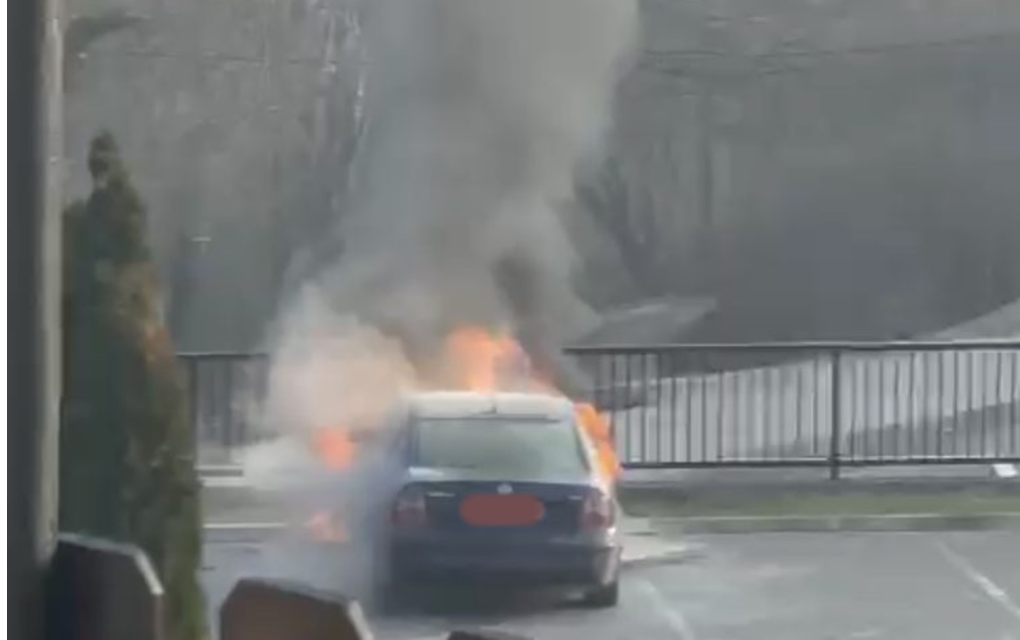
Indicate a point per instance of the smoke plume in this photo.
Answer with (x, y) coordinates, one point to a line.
(477, 116)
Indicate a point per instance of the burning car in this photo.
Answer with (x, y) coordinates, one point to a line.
(498, 489)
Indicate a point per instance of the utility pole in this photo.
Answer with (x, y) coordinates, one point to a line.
(33, 265)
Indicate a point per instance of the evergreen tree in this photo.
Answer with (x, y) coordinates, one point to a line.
(127, 452)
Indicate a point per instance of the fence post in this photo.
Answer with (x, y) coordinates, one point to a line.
(189, 365)
(836, 359)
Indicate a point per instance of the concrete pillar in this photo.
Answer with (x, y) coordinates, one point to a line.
(33, 263)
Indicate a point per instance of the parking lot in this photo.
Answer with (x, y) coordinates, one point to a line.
(784, 586)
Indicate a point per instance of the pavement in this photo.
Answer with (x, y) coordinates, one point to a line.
(785, 586)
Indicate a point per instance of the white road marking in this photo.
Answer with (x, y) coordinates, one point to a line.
(992, 590)
(670, 613)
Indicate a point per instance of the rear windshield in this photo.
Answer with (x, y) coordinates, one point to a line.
(500, 446)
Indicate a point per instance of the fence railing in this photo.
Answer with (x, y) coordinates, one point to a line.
(810, 404)
(688, 406)
(226, 390)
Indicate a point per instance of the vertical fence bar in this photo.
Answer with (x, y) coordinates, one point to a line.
(663, 420)
(1015, 405)
(798, 394)
(675, 373)
(759, 385)
(766, 412)
(915, 401)
(236, 427)
(925, 421)
(836, 430)
(614, 407)
(899, 422)
(816, 404)
(851, 409)
(738, 415)
(720, 416)
(983, 400)
(881, 406)
(643, 373)
(688, 416)
(189, 365)
(957, 400)
(971, 386)
(703, 383)
(226, 436)
(998, 403)
(652, 383)
(943, 405)
(627, 386)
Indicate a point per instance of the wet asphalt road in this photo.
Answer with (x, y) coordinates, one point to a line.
(793, 586)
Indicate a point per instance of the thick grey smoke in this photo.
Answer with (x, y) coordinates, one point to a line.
(478, 114)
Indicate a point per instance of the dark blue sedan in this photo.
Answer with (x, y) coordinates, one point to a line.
(499, 490)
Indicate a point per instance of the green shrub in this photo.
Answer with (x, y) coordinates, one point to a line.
(127, 451)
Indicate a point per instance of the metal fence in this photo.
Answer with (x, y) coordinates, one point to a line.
(810, 404)
(688, 406)
(226, 391)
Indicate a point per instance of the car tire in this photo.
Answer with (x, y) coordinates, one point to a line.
(603, 596)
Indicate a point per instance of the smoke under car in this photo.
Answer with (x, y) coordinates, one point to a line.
(496, 490)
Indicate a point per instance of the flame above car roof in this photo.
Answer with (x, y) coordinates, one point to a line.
(457, 404)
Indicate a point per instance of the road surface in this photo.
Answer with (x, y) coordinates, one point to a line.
(830, 586)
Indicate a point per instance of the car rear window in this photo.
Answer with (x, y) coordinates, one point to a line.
(500, 446)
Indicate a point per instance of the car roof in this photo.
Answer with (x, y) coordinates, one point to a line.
(463, 404)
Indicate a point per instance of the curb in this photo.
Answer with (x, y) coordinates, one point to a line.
(838, 523)
(743, 488)
(675, 553)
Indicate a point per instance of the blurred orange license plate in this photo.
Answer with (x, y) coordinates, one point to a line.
(495, 510)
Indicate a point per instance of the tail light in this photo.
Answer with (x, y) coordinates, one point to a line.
(409, 508)
(598, 511)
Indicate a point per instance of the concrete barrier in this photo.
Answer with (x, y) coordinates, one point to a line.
(98, 590)
(259, 609)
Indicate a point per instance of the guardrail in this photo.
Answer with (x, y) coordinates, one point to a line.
(687, 406)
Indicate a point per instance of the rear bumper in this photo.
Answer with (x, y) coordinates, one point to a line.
(535, 565)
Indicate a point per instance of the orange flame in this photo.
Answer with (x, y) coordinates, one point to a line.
(335, 448)
(487, 361)
(325, 528)
(597, 427)
(477, 359)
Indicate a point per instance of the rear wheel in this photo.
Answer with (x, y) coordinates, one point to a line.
(604, 596)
